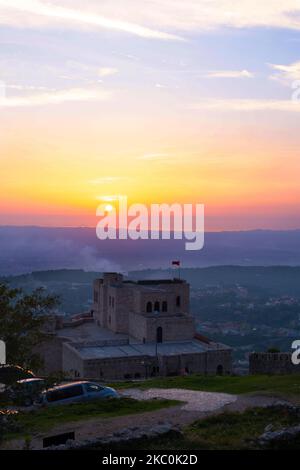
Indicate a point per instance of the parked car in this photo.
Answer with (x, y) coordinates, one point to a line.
(10, 374)
(76, 392)
(26, 391)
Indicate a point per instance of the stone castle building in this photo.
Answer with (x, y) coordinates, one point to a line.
(136, 329)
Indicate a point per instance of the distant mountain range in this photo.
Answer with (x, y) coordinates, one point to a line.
(27, 249)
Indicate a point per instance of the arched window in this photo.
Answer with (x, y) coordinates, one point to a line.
(159, 335)
(149, 307)
(165, 306)
(156, 306)
(178, 301)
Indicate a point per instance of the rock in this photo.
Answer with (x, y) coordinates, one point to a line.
(127, 435)
(285, 434)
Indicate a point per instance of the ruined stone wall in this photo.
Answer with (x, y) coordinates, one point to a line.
(272, 363)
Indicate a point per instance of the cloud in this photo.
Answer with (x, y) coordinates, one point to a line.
(150, 18)
(228, 74)
(247, 105)
(107, 71)
(57, 97)
(286, 73)
(71, 16)
(29, 88)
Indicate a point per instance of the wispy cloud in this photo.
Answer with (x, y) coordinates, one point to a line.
(286, 74)
(247, 105)
(29, 87)
(57, 97)
(138, 16)
(53, 13)
(228, 74)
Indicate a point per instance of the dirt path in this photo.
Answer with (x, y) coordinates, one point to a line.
(193, 400)
(197, 405)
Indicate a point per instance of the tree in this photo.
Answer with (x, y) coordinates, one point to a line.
(273, 350)
(22, 324)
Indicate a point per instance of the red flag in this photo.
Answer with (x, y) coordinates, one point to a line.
(176, 263)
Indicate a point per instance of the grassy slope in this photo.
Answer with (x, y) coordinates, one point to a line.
(277, 384)
(227, 431)
(46, 418)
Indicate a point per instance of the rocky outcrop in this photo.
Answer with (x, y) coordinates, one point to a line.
(286, 436)
(130, 435)
(271, 438)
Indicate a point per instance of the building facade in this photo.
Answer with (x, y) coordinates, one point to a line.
(137, 329)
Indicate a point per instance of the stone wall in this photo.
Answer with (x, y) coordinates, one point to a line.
(138, 327)
(272, 363)
(208, 362)
(117, 369)
(115, 299)
(168, 294)
(174, 328)
(123, 304)
(72, 363)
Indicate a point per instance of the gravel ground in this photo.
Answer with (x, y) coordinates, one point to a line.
(193, 400)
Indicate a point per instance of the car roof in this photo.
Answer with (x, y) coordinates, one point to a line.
(70, 384)
(32, 379)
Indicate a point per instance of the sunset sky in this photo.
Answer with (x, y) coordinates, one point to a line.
(160, 100)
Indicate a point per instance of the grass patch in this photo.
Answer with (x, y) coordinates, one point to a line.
(271, 384)
(237, 430)
(226, 431)
(46, 418)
